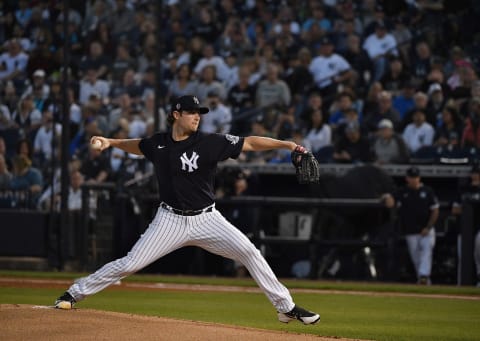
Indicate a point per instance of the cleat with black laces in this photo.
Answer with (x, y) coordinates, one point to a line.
(298, 313)
(66, 301)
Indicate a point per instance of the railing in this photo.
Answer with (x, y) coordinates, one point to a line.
(16, 199)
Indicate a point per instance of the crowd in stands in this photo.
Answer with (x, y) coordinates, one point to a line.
(355, 81)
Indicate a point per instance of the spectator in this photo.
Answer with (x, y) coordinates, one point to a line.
(341, 106)
(419, 133)
(24, 148)
(422, 60)
(385, 110)
(75, 191)
(435, 104)
(210, 59)
(91, 84)
(206, 26)
(370, 105)
(42, 146)
(232, 69)
(234, 39)
(403, 35)
(121, 63)
(462, 80)
(449, 131)
(26, 177)
(404, 101)
(123, 21)
(284, 122)
(73, 15)
(418, 211)
(5, 175)
(241, 96)
(329, 69)
(272, 91)
(96, 59)
(5, 116)
(81, 140)
(134, 123)
(379, 46)
(182, 84)
(39, 88)
(96, 13)
(420, 100)
(389, 147)
(395, 77)
(95, 166)
(27, 118)
(319, 134)
(219, 119)
(353, 147)
(298, 77)
(128, 86)
(360, 62)
(13, 63)
(23, 14)
(209, 83)
(471, 132)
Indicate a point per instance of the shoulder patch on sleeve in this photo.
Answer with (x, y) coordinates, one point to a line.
(232, 138)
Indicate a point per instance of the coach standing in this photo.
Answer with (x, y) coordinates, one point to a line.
(417, 213)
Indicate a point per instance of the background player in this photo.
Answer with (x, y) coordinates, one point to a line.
(418, 211)
(185, 162)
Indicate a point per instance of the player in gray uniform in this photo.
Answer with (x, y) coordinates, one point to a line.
(185, 162)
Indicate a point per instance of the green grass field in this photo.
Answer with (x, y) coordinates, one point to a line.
(380, 317)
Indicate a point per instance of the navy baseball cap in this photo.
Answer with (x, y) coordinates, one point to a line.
(413, 172)
(188, 103)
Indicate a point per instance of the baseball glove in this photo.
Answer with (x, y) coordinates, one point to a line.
(306, 166)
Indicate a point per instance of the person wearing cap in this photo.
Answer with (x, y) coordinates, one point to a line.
(185, 162)
(379, 46)
(472, 189)
(328, 70)
(389, 147)
(418, 211)
(39, 88)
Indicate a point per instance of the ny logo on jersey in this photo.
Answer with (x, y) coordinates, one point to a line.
(190, 162)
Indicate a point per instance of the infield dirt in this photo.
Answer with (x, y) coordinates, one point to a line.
(25, 322)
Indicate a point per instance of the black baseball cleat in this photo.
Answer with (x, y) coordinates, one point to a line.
(298, 313)
(66, 301)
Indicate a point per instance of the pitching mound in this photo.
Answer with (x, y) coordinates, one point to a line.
(23, 322)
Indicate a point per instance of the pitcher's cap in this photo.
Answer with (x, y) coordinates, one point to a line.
(188, 103)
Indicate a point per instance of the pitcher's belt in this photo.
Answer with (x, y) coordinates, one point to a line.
(187, 212)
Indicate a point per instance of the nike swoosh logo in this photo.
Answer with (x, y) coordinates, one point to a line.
(160, 147)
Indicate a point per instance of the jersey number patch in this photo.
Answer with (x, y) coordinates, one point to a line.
(191, 162)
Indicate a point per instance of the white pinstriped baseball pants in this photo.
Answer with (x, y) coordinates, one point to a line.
(168, 232)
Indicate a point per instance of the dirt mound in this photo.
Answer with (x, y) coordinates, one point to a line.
(23, 322)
